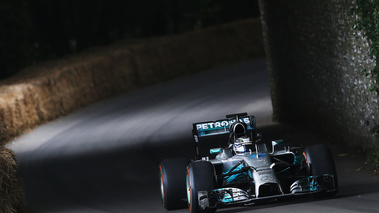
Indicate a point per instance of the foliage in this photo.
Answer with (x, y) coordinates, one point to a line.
(37, 30)
(375, 154)
(15, 28)
(375, 131)
(368, 22)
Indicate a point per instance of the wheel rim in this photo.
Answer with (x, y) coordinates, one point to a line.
(162, 184)
(189, 190)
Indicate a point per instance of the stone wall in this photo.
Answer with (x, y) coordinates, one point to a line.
(315, 62)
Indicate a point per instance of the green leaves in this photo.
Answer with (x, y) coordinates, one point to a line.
(368, 22)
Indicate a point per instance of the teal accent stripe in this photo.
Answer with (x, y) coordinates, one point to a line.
(262, 155)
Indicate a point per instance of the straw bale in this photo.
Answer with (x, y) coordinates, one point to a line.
(11, 193)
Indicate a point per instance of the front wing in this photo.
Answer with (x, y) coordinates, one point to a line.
(230, 196)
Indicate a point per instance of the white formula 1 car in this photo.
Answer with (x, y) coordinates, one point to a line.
(234, 167)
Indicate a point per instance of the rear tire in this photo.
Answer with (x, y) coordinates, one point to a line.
(201, 176)
(319, 161)
(172, 174)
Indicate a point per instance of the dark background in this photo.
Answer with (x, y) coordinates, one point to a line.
(35, 30)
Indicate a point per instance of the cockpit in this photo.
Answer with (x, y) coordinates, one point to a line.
(243, 145)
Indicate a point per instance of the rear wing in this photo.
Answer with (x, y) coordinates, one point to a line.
(214, 134)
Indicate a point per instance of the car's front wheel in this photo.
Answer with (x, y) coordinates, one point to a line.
(172, 174)
(200, 177)
(319, 161)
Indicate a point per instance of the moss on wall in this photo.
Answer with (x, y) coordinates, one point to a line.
(367, 21)
(367, 13)
(315, 59)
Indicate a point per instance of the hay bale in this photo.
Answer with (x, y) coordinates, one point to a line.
(11, 194)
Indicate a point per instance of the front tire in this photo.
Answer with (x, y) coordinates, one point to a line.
(200, 177)
(319, 161)
(172, 174)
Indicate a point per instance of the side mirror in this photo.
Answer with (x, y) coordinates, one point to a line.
(276, 142)
(215, 150)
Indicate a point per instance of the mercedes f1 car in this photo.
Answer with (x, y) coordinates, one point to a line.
(233, 166)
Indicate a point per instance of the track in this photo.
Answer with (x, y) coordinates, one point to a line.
(104, 158)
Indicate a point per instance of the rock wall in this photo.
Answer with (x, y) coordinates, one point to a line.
(315, 62)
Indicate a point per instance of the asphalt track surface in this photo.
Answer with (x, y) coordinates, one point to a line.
(104, 158)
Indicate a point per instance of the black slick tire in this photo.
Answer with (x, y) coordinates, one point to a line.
(172, 174)
(319, 161)
(200, 177)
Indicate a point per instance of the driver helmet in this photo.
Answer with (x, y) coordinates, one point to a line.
(242, 145)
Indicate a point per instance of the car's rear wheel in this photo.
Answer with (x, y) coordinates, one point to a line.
(319, 161)
(172, 174)
(200, 177)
